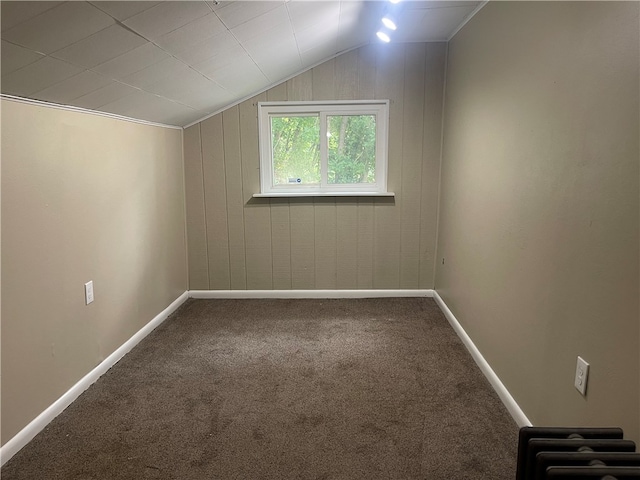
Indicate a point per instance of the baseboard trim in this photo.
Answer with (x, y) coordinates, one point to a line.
(375, 293)
(25, 435)
(509, 402)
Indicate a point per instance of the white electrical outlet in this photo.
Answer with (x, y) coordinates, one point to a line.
(88, 292)
(582, 375)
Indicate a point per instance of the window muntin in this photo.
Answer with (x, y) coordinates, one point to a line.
(323, 148)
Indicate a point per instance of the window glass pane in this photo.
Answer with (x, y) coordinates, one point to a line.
(295, 144)
(351, 148)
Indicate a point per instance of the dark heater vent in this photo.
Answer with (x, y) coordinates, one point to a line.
(576, 453)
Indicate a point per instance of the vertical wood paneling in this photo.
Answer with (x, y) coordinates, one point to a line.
(215, 202)
(280, 222)
(235, 197)
(366, 221)
(281, 243)
(347, 243)
(432, 145)
(346, 76)
(323, 242)
(367, 57)
(366, 91)
(323, 78)
(412, 134)
(196, 223)
(301, 212)
(386, 254)
(302, 244)
(257, 217)
(346, 88)
(300, 87)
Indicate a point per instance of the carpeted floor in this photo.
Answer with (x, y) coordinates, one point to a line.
(284, 389)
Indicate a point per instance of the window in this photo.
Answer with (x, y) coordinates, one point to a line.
(322, 148)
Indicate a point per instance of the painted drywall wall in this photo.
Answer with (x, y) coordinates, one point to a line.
(238, 242)
(539, 203)
(84, 198)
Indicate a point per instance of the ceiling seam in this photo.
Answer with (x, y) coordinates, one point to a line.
(126, 27)
(286, 5)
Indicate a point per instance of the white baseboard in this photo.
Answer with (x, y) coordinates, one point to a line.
(512, 407)
(375, 293)
(25, 435)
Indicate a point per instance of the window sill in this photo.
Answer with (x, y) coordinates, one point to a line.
(324, 194)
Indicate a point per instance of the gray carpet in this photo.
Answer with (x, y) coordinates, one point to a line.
(283, 389)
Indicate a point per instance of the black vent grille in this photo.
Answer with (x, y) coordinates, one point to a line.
(561, 453)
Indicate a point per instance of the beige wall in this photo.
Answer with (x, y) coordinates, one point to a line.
(83, 198)
(539, 208)
(237, 242)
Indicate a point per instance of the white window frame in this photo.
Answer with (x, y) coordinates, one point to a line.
(379, 108)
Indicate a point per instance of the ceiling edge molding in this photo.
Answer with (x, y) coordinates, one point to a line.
(70, 108)
(466, 20)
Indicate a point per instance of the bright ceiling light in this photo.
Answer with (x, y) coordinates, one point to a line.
(383, 36)
(389, 23)
(394, 1)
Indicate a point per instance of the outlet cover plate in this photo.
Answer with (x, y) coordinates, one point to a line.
(582, 375)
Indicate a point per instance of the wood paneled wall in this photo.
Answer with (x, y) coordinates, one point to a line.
(239, 242)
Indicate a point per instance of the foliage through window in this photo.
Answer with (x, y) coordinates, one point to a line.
(320, 148)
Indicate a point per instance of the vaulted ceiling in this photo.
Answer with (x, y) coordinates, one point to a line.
(174, 62)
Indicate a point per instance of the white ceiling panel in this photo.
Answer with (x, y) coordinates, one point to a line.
(156, 72)
(433, 24)
(306, 14)
(239, 76)
(166, 17)
(186, 117)
(438, 4)
(283, 43)
(223, 58)
(317, 54)
(236, 13)
(316, 36)
(175, 61)
(223, 43)
(124, 9)
(132, 61)
(354, 14)
(280, 67)
(14, 13)
(211, 95)
(37, 76)
(284, 48)
(102, 96)
(261, 27)
(183, 38)
(101, 47)
(188, 88)
(59, 27)
(72, 87)
(15, 57)
(147, 106)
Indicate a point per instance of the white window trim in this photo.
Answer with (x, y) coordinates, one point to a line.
(380, 108)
